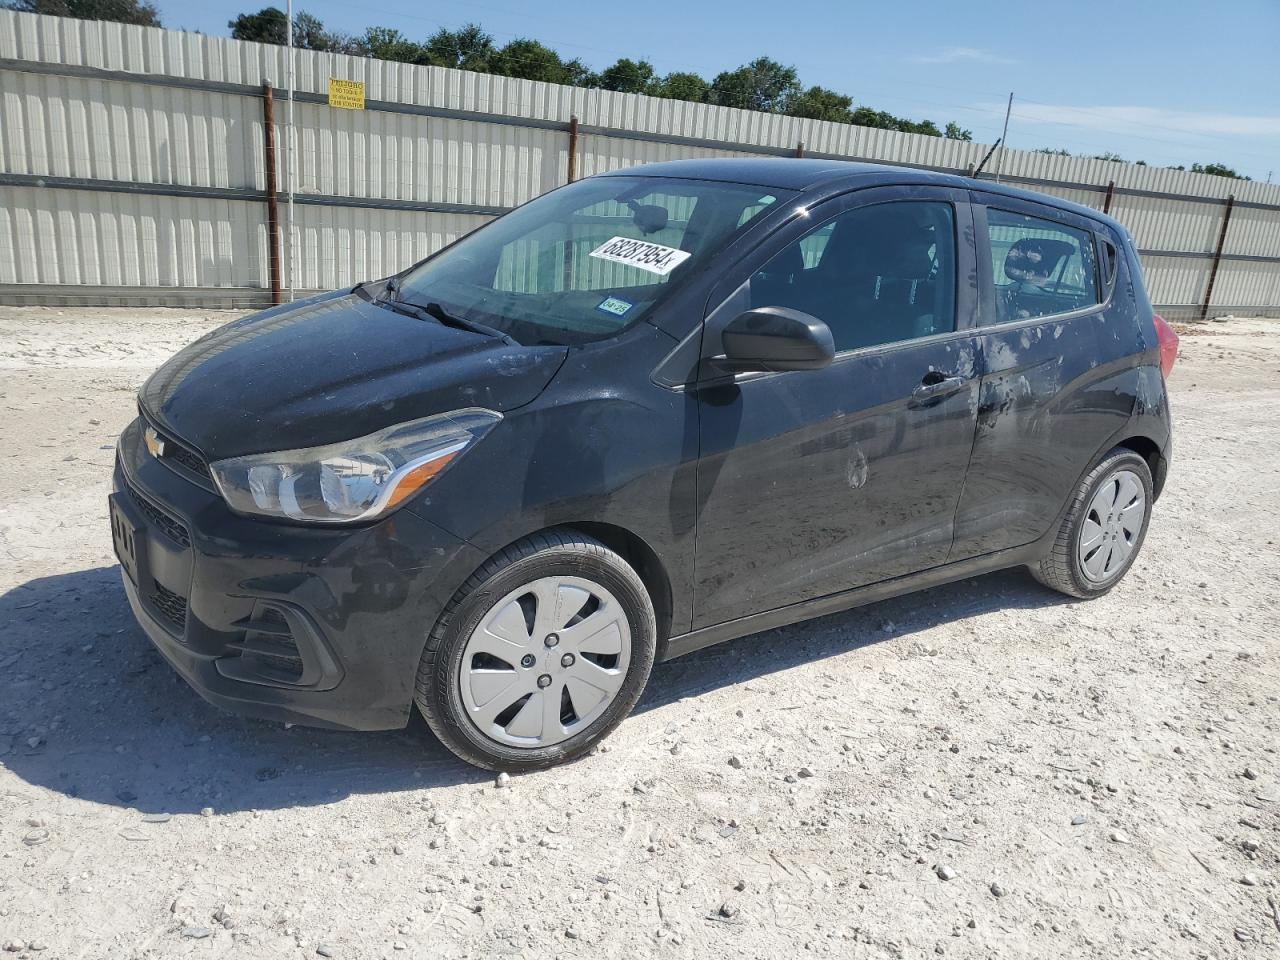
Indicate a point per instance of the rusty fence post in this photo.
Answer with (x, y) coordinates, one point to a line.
(1111, 193)
(1217, 256)
(800, 150)
(571, 176)
(573, 149)
(273, 210)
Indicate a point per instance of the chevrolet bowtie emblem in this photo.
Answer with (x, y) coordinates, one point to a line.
(154, 444)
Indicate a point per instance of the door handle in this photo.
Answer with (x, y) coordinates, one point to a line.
(936, 387)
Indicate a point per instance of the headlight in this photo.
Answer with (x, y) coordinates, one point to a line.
(354, 480)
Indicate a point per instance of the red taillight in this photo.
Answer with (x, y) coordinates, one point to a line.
(1168, 341)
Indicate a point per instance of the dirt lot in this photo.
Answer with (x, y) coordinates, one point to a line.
(1101, 778)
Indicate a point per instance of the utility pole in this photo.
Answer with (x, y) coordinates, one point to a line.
(1004, 137)
(293, 165)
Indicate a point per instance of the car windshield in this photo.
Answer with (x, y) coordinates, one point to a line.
(583, 262)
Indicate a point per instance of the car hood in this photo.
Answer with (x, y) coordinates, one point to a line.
(333, 368)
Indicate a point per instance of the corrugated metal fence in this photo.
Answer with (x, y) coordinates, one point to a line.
(132, 169)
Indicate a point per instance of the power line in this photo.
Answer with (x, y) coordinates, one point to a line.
(926, 106)
(1138, 138)
(993, 113)
(1110, 117)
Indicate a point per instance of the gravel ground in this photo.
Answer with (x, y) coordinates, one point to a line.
(981, 770)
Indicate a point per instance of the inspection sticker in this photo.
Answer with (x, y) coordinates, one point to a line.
(653, 257)
(614, 305)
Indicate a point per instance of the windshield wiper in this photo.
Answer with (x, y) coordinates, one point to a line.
(465, 323)
(441, 315)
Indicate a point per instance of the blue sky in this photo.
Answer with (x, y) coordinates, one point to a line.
(1167, 82)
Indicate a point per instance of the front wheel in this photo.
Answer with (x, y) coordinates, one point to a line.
(1103, 530)
(539, 655)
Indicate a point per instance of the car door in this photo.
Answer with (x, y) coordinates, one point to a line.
(812, 482)
(1058, 343)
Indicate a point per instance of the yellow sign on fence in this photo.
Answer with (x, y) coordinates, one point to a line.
(347, 94)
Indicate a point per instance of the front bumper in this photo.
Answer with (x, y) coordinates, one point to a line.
(322, 626)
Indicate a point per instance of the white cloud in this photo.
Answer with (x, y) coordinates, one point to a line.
(1148, 122)
(964, 55)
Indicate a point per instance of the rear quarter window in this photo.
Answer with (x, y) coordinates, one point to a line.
(1107, 256)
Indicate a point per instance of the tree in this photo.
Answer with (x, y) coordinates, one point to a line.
(866, 117)
(926, 127)
(819, 103)
(1217, 170)
(628, 76)
(385, 43)
(530, 60)
(136, 12)
(681, 86)
(1054, 153)
(578, 74)
(762, 84)
(268, 25)
(271, 25)
(468, 48)
(1112, 157)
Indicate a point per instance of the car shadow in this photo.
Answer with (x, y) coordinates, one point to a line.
(772, 651)
(89, 708)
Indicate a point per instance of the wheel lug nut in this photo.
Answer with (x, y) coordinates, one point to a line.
(566, 660)
(544, 681)
(527, 660)
(552, 639)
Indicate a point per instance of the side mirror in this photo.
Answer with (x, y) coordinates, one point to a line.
(770, 339)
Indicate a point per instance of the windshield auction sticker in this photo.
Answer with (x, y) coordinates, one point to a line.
(653, 257)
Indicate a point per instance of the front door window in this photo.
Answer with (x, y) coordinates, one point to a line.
(874, 275)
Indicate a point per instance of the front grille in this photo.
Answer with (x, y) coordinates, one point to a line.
(171, 527)
(179, 456)
(185, 458)
(172, 606)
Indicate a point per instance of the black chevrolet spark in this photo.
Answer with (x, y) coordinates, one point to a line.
(646, 412)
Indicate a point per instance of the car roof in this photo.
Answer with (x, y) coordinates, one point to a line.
(810, 175)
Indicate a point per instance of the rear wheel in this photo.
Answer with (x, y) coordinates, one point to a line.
(1103, 530)
(540, 654)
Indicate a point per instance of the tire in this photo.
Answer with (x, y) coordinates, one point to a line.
(1084, 570)
(533, 583)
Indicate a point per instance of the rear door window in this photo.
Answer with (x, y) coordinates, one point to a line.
(1041, 267)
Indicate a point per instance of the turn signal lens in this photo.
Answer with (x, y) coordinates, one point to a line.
(417, 478)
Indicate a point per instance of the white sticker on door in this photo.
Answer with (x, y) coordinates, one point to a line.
(653, 257)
